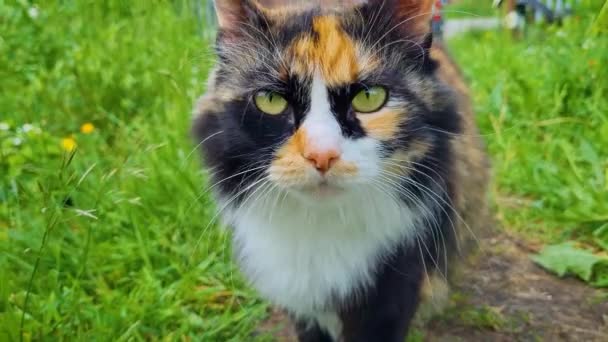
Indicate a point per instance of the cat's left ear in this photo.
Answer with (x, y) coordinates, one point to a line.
(411, 17)
(234, 15)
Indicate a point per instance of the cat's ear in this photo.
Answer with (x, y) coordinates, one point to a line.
(233, 15)
(412, 17)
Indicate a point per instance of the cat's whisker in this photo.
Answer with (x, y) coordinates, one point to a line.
(204, 192)
(397, 26)
(429, 215)
(277, 50)
(426, 271)
(436, 197)
(198, 146)
(375, 18)
(394, 28)
(458, 135)
(274, 52)
(248, 170)
(249, 52)
(259, 193)
(433, 197)
(221, 210)
(451, 207)
(276, 199)
(247, 177)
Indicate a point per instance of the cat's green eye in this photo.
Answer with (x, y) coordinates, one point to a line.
(270, 102)
(370, 99)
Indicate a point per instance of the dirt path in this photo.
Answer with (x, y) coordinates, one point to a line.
(503, 296)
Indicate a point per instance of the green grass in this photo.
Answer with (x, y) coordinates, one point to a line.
(461, 312)
(117, 241)
(542, 106)
(113, 242)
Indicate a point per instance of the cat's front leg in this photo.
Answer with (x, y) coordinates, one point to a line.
(387, 324)
(386, 310)
(310, 331)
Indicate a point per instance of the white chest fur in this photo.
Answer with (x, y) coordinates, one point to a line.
(300, 257)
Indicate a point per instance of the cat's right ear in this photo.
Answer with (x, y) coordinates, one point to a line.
(412, 17)
(234, 15)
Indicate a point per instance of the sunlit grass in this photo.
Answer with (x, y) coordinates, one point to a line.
(105, 225)
(542, 107)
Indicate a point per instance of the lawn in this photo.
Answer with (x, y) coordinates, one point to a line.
(543, 110)
(106, 231)
(106, 228)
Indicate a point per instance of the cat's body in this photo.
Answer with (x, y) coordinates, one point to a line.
(343, 207)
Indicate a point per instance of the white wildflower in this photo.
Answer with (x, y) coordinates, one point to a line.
(17, 141)
(33, 12)
(29, 128)
(26, 128)
(4, 126)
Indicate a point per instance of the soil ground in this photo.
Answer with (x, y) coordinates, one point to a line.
(502, 296)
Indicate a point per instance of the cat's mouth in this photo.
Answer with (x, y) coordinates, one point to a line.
(322, 189)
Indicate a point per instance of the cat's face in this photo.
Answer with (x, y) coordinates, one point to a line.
(320, 102)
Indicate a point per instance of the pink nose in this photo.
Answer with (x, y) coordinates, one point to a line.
(322, 160)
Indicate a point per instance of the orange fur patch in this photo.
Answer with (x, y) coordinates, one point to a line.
(400, 163)
(331, 52)
(383, 125)
(294, 146)
(289, 165)
(415, 151)
(343, 169)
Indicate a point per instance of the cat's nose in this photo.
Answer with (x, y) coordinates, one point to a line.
(322, 160)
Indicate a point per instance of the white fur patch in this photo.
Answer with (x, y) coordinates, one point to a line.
(301, 256)
(322, 130)
(331, 323)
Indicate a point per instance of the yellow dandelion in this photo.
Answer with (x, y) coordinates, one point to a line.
(68, 144)
(87, 128)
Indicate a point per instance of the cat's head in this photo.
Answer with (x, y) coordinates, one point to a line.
(321, 101)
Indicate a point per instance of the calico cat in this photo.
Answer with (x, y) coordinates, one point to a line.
(345, 158)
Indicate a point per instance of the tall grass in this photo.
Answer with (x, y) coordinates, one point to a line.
(542, 105)
(113, 240)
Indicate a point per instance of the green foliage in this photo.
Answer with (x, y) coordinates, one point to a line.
(542, 106)
(601, 23)
(20, 146)
(567, 259)
(115, 239)
(601, 236)
(415, 335)
(462, 312)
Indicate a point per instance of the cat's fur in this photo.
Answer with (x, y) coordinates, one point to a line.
(351, 251)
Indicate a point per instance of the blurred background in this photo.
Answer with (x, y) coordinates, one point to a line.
(106, 228)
